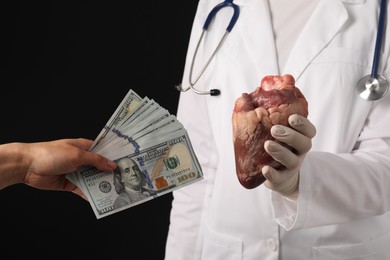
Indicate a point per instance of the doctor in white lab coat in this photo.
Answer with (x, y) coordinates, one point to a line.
(342, 208)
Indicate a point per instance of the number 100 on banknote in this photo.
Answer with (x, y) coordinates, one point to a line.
(154, 156)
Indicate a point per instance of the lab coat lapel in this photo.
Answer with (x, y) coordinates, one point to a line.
(256, 28)
(326, 21)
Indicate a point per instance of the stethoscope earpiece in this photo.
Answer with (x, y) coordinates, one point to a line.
(215, 92)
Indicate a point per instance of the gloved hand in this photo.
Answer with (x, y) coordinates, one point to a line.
(289, 149)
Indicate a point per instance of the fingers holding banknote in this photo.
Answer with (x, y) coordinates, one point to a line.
(44, 165)
(153, 152)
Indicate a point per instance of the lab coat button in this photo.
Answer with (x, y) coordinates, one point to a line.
(271, 244)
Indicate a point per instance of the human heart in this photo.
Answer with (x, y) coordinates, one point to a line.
(254, 114)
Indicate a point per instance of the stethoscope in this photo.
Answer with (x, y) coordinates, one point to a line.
(370, 87)
(210, 17)
(373, 86)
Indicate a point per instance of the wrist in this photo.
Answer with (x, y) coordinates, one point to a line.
(14, 163)
(292, 192)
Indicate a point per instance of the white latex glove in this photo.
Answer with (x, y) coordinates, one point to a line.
(289, 150)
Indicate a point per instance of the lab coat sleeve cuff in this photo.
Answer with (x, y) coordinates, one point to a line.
(284, 210)
(291, 214)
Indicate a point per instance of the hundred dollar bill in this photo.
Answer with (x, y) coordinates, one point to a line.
(138, 113)
(129, 103)
(168, 165)
(131, 142)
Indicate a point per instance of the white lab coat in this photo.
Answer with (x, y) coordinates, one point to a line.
(343, 206)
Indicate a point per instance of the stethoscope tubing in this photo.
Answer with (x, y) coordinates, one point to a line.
(379, 40)
(214, 11)
(209, 19)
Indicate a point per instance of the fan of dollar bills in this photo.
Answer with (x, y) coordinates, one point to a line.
(142, 138)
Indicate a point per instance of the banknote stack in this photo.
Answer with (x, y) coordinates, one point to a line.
(148, 140)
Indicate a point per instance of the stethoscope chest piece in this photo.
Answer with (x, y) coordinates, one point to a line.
(374, 86)
(371, 89)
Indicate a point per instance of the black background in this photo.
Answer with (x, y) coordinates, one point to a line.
(65, 67)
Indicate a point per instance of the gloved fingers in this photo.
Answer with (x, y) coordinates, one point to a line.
(282, 154)
(302, 125)
(284, 182)
(290, 147)
(296, 140)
